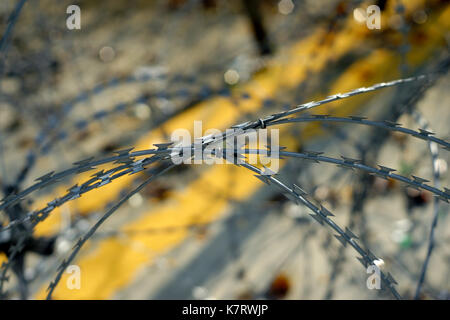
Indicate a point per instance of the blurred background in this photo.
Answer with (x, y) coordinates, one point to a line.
(137, 70)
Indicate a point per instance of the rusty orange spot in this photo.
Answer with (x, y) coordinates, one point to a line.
(280, 286)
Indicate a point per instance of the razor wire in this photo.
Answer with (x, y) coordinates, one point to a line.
(164, 151)
(101, 178)
(89, 164)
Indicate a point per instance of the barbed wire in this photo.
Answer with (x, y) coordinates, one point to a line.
(434, 152)
(125, 155)
(164, 151)
(128, 162)
(321, 215)
(423, 133)
(86, 237)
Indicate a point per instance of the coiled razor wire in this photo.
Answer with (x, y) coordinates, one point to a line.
(129, 165)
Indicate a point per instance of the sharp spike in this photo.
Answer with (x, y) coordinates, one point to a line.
(386, 169)
(50, 286)
(318, 218)
(278, 114)
(391, 123)
(279, 148)
(240, 125)
(350, 234)
(350, 160)
(420, 180)
(240, 156)
(83, 162)
(77, 244)
(45, 177)
(104, 182)
(325, 211)
(425, 133)
(123, 151)
(163, 146)
(74, 189)
(99, 173)
(124, 161)
(299, 191)
(341, 239)
(371, 256)
(62, 266)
